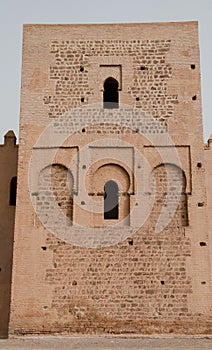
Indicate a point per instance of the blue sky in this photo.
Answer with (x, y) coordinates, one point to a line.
(13, 13)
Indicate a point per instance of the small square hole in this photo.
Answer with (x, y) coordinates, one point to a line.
(202, 244)
(130, 241)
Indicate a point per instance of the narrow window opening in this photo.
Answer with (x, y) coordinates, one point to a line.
(111, 95)
(13, 187)
(199, 165)
(192, 66)
(194, 97)
(111, 206)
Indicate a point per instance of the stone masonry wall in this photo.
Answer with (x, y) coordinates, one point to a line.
(150, 274)
(150, 74)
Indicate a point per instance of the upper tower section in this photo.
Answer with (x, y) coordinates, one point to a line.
(153, 67)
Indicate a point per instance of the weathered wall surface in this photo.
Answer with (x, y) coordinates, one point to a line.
(147, 271)
(8, 170)
(208, 172)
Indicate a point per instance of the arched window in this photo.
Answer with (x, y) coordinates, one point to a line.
(13, 187)
(111, 95)
(58, 180)
(111, 201)
(170, 195)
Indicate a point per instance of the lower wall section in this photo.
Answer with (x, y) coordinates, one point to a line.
(4, 308)
(140, 285)
(96, 325)
(142, 277)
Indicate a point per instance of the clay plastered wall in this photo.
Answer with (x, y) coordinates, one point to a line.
(64, 286)
(208, 170)
(8, 168)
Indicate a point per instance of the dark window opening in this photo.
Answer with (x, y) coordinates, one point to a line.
(13, 187)
(192, 66)
(111, 205)
(111, 94)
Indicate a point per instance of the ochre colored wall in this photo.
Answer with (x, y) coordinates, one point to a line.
(208, 172)
(147, 271)
(8, 169)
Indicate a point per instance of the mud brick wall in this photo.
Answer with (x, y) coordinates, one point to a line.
(148, 87)
(97, 275)
(8, 171)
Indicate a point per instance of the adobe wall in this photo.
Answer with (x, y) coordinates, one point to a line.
(8, 169)
(208, 171)
(74, 271)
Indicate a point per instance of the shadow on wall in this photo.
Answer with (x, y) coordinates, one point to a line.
(8, 166)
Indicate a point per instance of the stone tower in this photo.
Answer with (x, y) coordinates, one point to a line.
(111, 231)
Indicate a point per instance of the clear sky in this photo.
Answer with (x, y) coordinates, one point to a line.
(13, 13)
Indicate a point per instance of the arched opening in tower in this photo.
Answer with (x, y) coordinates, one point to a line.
(111, 95)
(111, 201)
